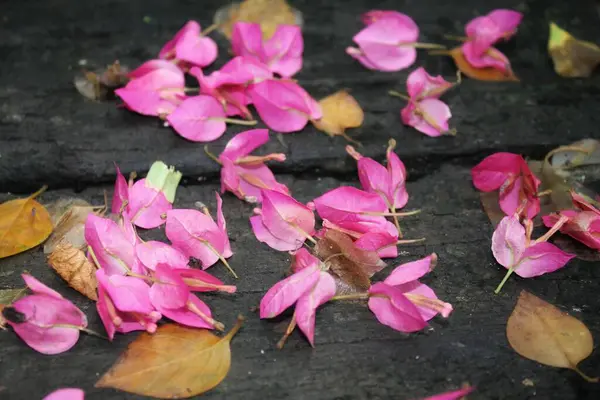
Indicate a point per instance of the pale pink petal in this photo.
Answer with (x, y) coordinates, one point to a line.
(187, 317)
(506, 20)
(153, 253)
(38, 287)
(66, 394)
(285, 292)
(418, 288)
(254, 67)
(111, 247)
(397, 173)
(223, 227)
(359, 56)
(199, 119)
(254, 178)
(307, 304)
(508, 241)
(491, 173)
(380, 241)
(483, 33)
(230, 180)
(169, 290)
(286, 218)
(391, 31)
(145, 102)
(421, 85)
(263, 235)
(200, 281)
(302, 258)
(128, 230)
(245, 143)
(246, 40)
(196, 49)
(102, 307)
(540, 259)
(401, 19)
(171, 80)
(452, 395)
(510, 196)
(393, 309)
(128, 294)
(121, 192)
(432, 118)
(190, 28)
(374, 177)
(388, 58)
(411, 271)
(491, 58)
(151, 66)
(147, 206)
(283, 51)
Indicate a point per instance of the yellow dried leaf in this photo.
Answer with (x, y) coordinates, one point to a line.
(175, 362)
(482, 74)
(74, 267)
(24, 223)
(340, 111)
(541, 332)
(573, 58)
(268, 13)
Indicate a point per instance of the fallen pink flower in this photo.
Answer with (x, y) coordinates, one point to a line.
(392, 308)
(283, 105)
(518, 185)
(490, 58)
(66, 394)
(190, 45)
(283, 223)
(124, 304)
(384, 243)
(282, 53)
(513, 249)
(197, 235)
(420, 85)
(153, 253)
(429, 116)
(452, 395)
(486, 30)
(246, 175)
(45, 321)
(109, 246)
(172, 298)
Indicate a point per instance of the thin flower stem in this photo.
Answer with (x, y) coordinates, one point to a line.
(238, 121)
(86, 330)
(586, 377)
(211, 155)
(544, 193)
(355, 296)
(302, 232)
(236, 327)
(210, 29)
(391, 214)
(398, 94)
(457, 38)
(288, 332)
(223, 260)
(561, 221)
(509, 273)
(419, 45)
(349, 139)
(439, 52)
(409, 241)
(396, 222)
(36, 194)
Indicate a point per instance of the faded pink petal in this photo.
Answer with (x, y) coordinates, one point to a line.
(185, 316)
(302, 258)
(145, 102)
(307, 304)
(190, 46)
(199, 119)
(263, 235)
(246, 40)
(121, 194)
(244, 143)
(287, 291)
(429, 116)
(153, 253)
(491, 58)
(486, 30)
(190, 28)
(196, 235)
(151, 66)
(147, 206)
(129, 294)
(255, 178)
(374, 178)
(283, 51)
(421, 85)
(375, 15)
(411, 271)
(223, 227)
(200, 281)
(66, 394)
(111, 248)
(168, 290)
(509, 241)
(380, 241)
(397, 173)
(393, 309)
(426, 300)
(246, 65)
(491, 173)
(107, 313)
(38, 287)
(540, 259)
(583, 226)
(452, 395)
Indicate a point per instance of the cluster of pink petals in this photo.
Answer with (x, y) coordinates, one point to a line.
(583, 223)
(282, 53)
(387, 43)
(517, 185)
(66, 394)
(246, 175)
(282, 222)
(483, 32)
(402, 302)
(48, 323)
(514, 249)
(425, 111)
(309, 287)
(145, 202)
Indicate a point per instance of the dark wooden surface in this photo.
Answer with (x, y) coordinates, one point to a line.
(50, 135)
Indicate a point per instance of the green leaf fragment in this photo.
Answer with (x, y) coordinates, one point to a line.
(164, 179)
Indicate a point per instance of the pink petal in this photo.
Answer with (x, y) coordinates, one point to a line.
(151, 66)
(411, 271)
(187, 317)
(418, 288)
(145, 102)
(286, 218)
(285, 292)
(196, 235)
(385, 57)
(421, 85)
(540, 259)
(38, 287)
(430, 117)
(374, 178)
(283, 51)
(102, 307)
(169, 290)
(199, 119)
(393, 309)
(172, 80)
(307, 304)
(452, 395)
(510, 196)
(112, 248)
(359, 56)
(494, 170)
(245, 143)
(200, 281)
(245, 65)
(223, 227)
(302, 258)
(397, 173)
(246, 40)
(153, 253)
(375, 15)
(254, 178)
(66, 394)
(147, 205)
(263, 235)
(196, 49)
(121, 192)
(491, 58)
(508, 241)
(190, 28)
(380, 241)
(506, 20)
(581, 203)
(128, 294)
(486, 30)
(128, 230)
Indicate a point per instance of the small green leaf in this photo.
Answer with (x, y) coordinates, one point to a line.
(164, 179)
(8, 296)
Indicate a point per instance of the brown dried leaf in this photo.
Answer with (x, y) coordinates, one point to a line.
(70, 226)
(560, 196)
(539, 331)
(491, 206)
(175, 362)
(573, 58)
(100, 83)
(74, 267)
(354, 267)
(340, 111)
(482, 74)
(268, 13)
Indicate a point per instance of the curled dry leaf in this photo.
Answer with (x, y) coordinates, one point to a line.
(57, 209)
(175, 362)
(267, 13)
(70, 223)
(352, 267)
(491, 207)
(24, 223)
(580, 153)
(74, 267)
(340, 111)
(100, 83)
(482, 74)
(573, 58)
(539, 331)
(559, 197)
